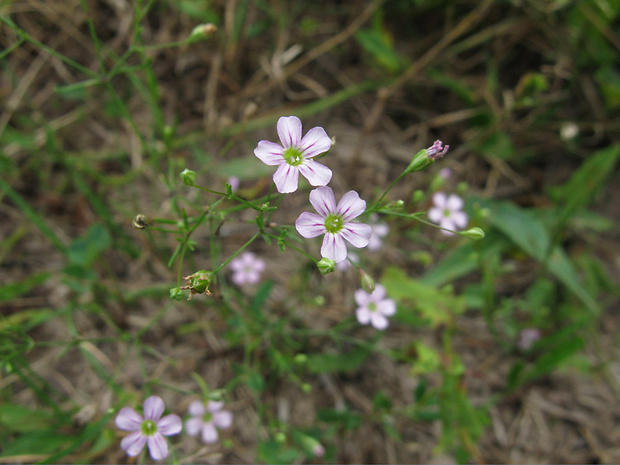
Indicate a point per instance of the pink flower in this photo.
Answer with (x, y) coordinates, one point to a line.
(379, 231)
(234, 182)
(447, 212)
(295, 155)
(528, 337)
(374, 308)
(247, 268)
(206, 419)
(149, 429)
(334, 221)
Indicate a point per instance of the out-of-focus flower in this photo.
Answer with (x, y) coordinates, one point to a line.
(447, 212)
(295, 155)
(528, 337)
(445, 173)
(374, 308)
(569, 131)
(148, 430)
(207, 419)
(379, 231)
(346, 264)
(334, 221)
(247, 268)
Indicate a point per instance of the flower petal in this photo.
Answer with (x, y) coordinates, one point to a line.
(269, 153)
(223, 419)
(386, 307)
(351, 206)
(154, 408)
(209, 433)
(334, 247)
(286, 178)
(193, 426)
(378, 321)
(197, 408)
(357, 234)
(289, 131)
(435, 214)
(128, 419)
(158, 446)
(363, 315)
(379, 293)
(315, 173)
(323, 201)
(459, 219)
(454, 202)
(315, 142)
(362, 298)
(169, 425)
(310, 225)
(440, 200)
(134, 443)
(215, 406)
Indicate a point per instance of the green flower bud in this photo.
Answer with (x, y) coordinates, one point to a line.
(418, 196)
(326, 265)
(305, 387)
(188, 177)
(280, 437)
(301, 359)
(473, 233)
(426, 157)
(201, 32)
(176, 293)
(368, 284)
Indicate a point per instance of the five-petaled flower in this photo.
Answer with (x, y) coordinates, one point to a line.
(335, 222)
(295, 155)
(374, 308)
(206, 419)
(247, 268)
(149, 429)
(447, 212)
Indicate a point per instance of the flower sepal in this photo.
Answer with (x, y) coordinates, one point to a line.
(326, 265)
(198, 283)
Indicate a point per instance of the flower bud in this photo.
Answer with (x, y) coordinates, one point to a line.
(188, 177)
(368, 284)
(301, 359)
(280, 437)
(426, 157)
(198, 283)
(176, 293)
(201, 32)
(311, 445)
(326, 265)
(418, 196)
(473, 233)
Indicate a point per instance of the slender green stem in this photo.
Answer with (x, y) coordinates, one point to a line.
(377, 204)
(241, 249)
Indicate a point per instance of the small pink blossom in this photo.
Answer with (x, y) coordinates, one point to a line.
(247, 268)
(445, 173)
(374, 308)
(148, 430)
(447, 212)
(207, 419)
(295, 155)
(234, 182)
(379, 231)
(528, 337)
(334, 221)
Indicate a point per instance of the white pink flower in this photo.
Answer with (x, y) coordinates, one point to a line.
(148, 430)
(379, 231)
(447, 212)
(334, 221)
(295, 155)
(247, 268)
(207, 419)
(374, 308)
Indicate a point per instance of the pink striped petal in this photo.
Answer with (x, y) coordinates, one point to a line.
(289, 131)
(169, 425)
(334, 247)
(158, 446)
(193, 426)
(154, 408)
(315, 142)
(310, 225)
(134, 443)
(209, 433)
(286, 178)
(358, 234)
(315, 173)
(323, 201)
(351, 206)
(128, 419)
(269, 153)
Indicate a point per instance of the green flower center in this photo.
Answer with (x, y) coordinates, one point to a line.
(149, 428)
(372, 307)
(207, 417)
(293, 156)
(447, 213)
(333, 223)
